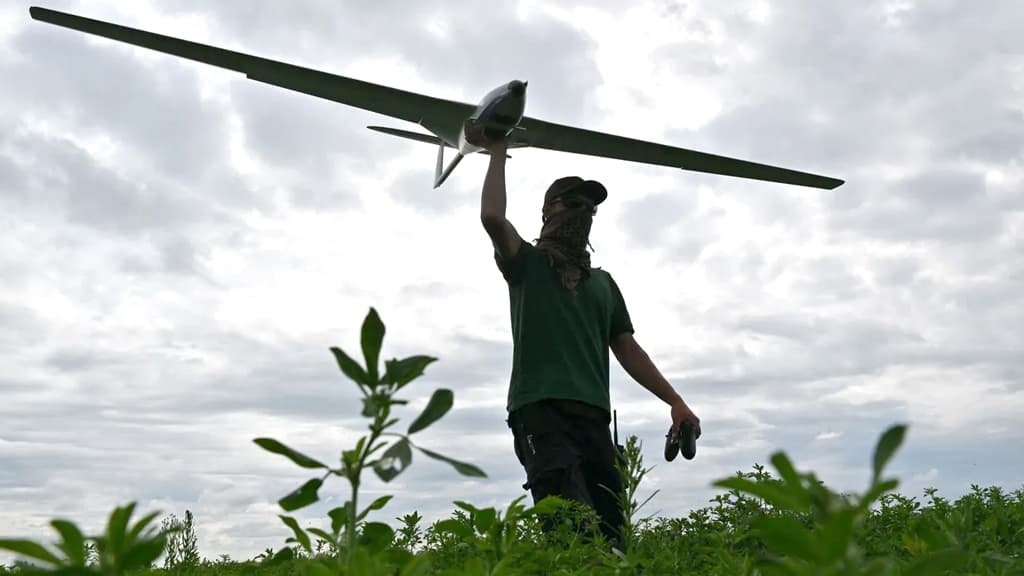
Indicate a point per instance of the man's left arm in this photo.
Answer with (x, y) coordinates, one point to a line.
(637, 363)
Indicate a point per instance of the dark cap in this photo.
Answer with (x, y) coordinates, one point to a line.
(591, 189)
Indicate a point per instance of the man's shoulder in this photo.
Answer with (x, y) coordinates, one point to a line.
(528, 252)
(605, 278)
(532, 255)
(515, 267)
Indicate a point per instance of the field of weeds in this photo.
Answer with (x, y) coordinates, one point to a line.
(783, 521)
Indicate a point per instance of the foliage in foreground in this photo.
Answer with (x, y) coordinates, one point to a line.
(788, 523)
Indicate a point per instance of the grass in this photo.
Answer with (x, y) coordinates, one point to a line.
(762, 523)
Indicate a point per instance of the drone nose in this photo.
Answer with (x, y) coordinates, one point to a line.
(517, 87)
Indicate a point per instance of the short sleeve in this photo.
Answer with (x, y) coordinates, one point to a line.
(620, 320)
(514, 268)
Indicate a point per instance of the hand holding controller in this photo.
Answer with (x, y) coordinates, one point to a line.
(685, 441)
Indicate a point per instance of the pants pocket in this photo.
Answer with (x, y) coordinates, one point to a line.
(548, 454)
(515, 445)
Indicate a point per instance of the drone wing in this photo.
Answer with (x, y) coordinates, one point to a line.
(442, 117)
(433, 113)
(541, 134)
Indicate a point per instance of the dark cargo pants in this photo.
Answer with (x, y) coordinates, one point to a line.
(567, 451)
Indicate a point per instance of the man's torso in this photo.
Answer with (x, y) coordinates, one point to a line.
(560, 340)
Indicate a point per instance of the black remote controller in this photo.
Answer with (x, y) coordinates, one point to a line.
(685, 442)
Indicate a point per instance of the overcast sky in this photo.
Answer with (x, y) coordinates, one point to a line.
(181, 246)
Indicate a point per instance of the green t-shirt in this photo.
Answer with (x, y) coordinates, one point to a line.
(560, 341)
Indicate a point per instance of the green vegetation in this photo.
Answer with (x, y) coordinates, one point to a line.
(766, 524)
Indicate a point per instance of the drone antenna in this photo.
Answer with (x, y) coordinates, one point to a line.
(615, 420)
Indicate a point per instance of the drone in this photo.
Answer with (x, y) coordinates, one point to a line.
(464, 127)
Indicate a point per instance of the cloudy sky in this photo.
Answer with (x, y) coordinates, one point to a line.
(181, 246)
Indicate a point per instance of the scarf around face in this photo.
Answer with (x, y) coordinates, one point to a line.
(564, 239)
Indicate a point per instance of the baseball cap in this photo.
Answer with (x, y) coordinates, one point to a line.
(591, 189)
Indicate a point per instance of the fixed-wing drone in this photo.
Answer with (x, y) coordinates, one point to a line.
(451, 124)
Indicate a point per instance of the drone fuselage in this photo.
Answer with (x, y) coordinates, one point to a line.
(495, 117)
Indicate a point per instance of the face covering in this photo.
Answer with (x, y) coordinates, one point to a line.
(564, 239)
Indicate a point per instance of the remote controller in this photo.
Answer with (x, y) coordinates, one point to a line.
(685, 442)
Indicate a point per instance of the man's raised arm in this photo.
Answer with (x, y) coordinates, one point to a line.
(492, 205)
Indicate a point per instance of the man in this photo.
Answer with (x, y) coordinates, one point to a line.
(565, 316)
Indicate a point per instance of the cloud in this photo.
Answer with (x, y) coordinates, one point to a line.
(950, 206)
(92, 194)
(300, 136)
(103, 91)
(901, 237)
(554, 56)
(414, 188)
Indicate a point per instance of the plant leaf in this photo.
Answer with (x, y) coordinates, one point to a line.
(453, 526)
(474, 566)
(462, 467)
(773, 494)
(876, 492)
(321, 534)
(139, 526)
(377, 536)
(375, 505)
(889, 442)
(283, 555)
(361, 562)
(546, 507)
(302, 496)
(786, 536)
(143, 554)
(271, 445)
(30, 549)
(371, 404)
(351, 368)
(300, 535)
(371, 338)
(936, 563)
(439, 404)
(73, 541)
(117, 526)
(399, 453)
(484, 519)
(837, 535)
(318, 569)
(401, 372)
(793, 486)
(418, 565)
(339, 516)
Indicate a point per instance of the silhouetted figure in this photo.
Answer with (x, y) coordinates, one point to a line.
(565, 316)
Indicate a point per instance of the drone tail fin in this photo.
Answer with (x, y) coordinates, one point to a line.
(418, 136)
